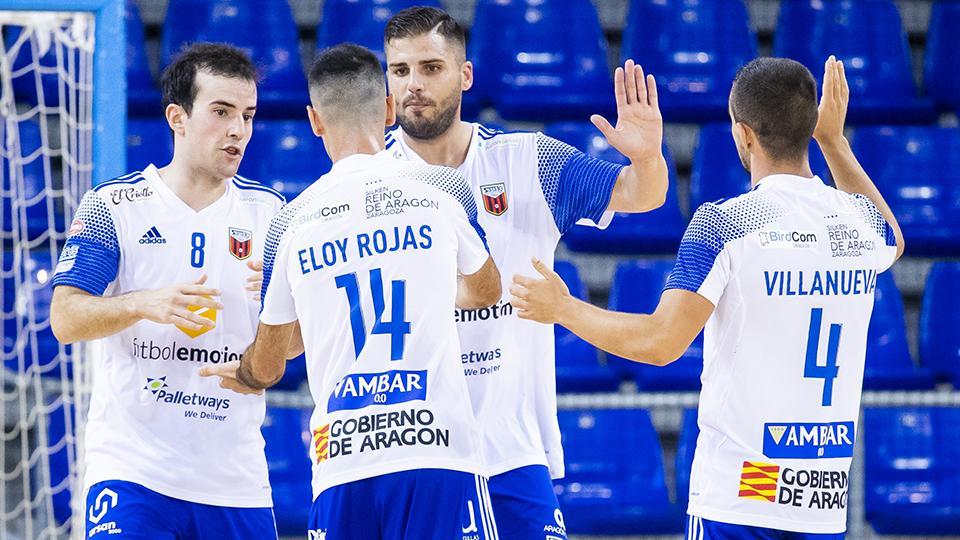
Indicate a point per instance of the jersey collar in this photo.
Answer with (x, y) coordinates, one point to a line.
(171, 198)
(788, 181)
(475, 143)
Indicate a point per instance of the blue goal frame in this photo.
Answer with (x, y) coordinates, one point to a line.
(109, 78)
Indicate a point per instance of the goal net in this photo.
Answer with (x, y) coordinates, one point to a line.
(47, 162)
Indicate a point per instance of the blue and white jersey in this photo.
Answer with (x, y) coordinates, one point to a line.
(366, 259)
(154, 421)
(530, 189)
(791, 268)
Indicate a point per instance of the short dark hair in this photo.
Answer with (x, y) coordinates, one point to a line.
(418, 20)
(345, 79)
(777, 98)
(178, 84)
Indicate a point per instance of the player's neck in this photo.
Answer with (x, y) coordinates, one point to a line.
(760, 169)
(193, 186)
(346, 144)
(449, 149)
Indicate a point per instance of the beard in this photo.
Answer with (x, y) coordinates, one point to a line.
(420, 127)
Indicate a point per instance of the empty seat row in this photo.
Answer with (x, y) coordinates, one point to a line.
(532, 65)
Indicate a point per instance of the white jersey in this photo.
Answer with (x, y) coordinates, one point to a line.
(153, 420)
(366, 259)
(791, 268)
(532, 189)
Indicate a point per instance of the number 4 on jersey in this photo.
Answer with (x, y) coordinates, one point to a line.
(811, 368)
(396, 327)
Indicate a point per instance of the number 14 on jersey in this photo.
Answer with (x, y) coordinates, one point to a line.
(397, 328)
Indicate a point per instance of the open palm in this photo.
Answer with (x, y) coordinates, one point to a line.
(639, 130)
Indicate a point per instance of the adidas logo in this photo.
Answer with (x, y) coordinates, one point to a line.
(152, 236)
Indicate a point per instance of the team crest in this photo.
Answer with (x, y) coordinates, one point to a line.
(494, 198)
(241, 243)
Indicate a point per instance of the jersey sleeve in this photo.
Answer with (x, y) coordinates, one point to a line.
(472, 250)
(703, 260)
(277, 306)
(90, 258)
(575, 185)
(887, 251)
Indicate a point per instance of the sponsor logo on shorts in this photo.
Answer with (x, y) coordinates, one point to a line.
(106, 499)
(317, 534)
(557, 530)
(808, 440)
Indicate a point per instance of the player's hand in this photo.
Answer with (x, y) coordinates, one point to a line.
(170, 305)
(639, 130)
(255, 280)
(540, 300)
(833, 103)
(228, 377)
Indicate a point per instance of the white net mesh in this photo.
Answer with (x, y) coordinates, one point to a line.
(46, 74)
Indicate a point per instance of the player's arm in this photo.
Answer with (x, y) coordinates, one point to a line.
(78, 315)
(638, 135)
(262, 364)
(481, 288)
(658, 338)
(846, 170)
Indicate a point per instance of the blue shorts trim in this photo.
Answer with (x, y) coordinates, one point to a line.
(704, 529)
(119, 509)
(421, 504)
(526, 505)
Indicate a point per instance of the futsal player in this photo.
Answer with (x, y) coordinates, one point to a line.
(367, 260)
(157, 267)
(783, 279)
(532, 189)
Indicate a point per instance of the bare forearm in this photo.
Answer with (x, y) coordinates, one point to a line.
(628, 335)
(264, 362)
(849, 176)
(480, 289)
(641, 186)
(83, 317)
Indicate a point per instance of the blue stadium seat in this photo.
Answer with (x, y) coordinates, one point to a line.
(143, 98)
(912, 461)
(361, 22)
(614, 481)
(264, 29)
(636, 289)
(658, 231)
(27, 311)
(686, 447)
(868, 37)
(287, 434)
(532, 64)
(694, 47)
(939, 321)
(148, 141)
(942, 56)
(285, 155)
(717, 172)
(578, 368)
(917, 169)
(888, 364)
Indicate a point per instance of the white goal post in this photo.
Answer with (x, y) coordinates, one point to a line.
(62, 129)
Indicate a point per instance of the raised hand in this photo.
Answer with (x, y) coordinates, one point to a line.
(639, 130)
(540, 300)
(170, 305)
(833, 102)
